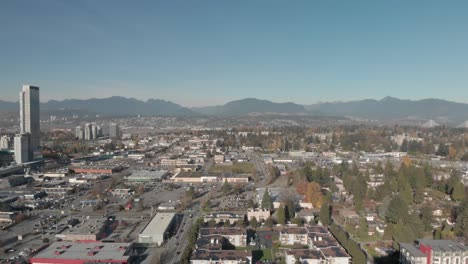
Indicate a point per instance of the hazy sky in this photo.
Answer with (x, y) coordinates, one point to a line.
(209, 52)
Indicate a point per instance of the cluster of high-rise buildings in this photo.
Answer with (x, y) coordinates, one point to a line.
(88, 132)
(27, 142)
(92, 131)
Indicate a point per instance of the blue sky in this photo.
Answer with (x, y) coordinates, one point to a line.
(209, 52)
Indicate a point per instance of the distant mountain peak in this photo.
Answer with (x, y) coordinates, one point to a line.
(389, 99)
(387, 108)
(116, 106)
(249, 106)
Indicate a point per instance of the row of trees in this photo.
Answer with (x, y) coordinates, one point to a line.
(461, 217)
(351, 246)
(192, 239)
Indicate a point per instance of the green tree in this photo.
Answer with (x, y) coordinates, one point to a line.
(404, 188)
(404, 146)
(426, 217)
(443, 150)
(253, 222)
(298, 221)
(281, 215)
(226, 188)
(269, 222)
(207, 205)
(397, 210)
(212, 223)
(251, 204)
(458, 193)
(461, 225)
(267, 202)
(363, 228)
(290, 209)
(389, 171)
(418, 195)
(428, 174)
(240, 223)
(452, 181)
(379, 168)
(325, 214)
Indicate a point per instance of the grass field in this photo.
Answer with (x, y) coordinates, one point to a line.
(242, 168)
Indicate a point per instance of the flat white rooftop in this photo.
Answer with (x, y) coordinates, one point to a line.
(158, 225)
(94, 251)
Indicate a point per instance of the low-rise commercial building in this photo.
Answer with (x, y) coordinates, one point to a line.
(7, 217)
(157, 230)
(175, 162)
(198, 177)
(57, 191)
(81, 253)
(97, 169)
(144, 176)
(122, 192)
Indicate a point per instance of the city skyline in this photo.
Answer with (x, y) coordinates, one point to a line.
(235, 132)
(210, 53)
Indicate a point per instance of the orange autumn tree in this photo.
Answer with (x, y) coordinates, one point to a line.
(407, 161)
(312, 193)
(452, 152)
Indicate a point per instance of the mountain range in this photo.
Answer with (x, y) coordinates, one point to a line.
(250, 106)
(388, 108)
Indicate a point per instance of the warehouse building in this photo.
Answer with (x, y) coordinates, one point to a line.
(158, 229)
(147, 177)
(81, 253)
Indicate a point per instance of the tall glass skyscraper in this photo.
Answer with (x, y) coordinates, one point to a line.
(30, 119)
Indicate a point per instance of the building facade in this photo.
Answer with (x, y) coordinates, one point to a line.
(258, 214)
(114, 131)
(88, 131)
(22, 148)
(236, 236)
(6, 142)
(157, 230)
(434, 252)
(30, 119)
(79, 132)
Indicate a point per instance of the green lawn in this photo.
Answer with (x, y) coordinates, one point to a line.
(242, 168)
(267, 254)
(437, 194)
